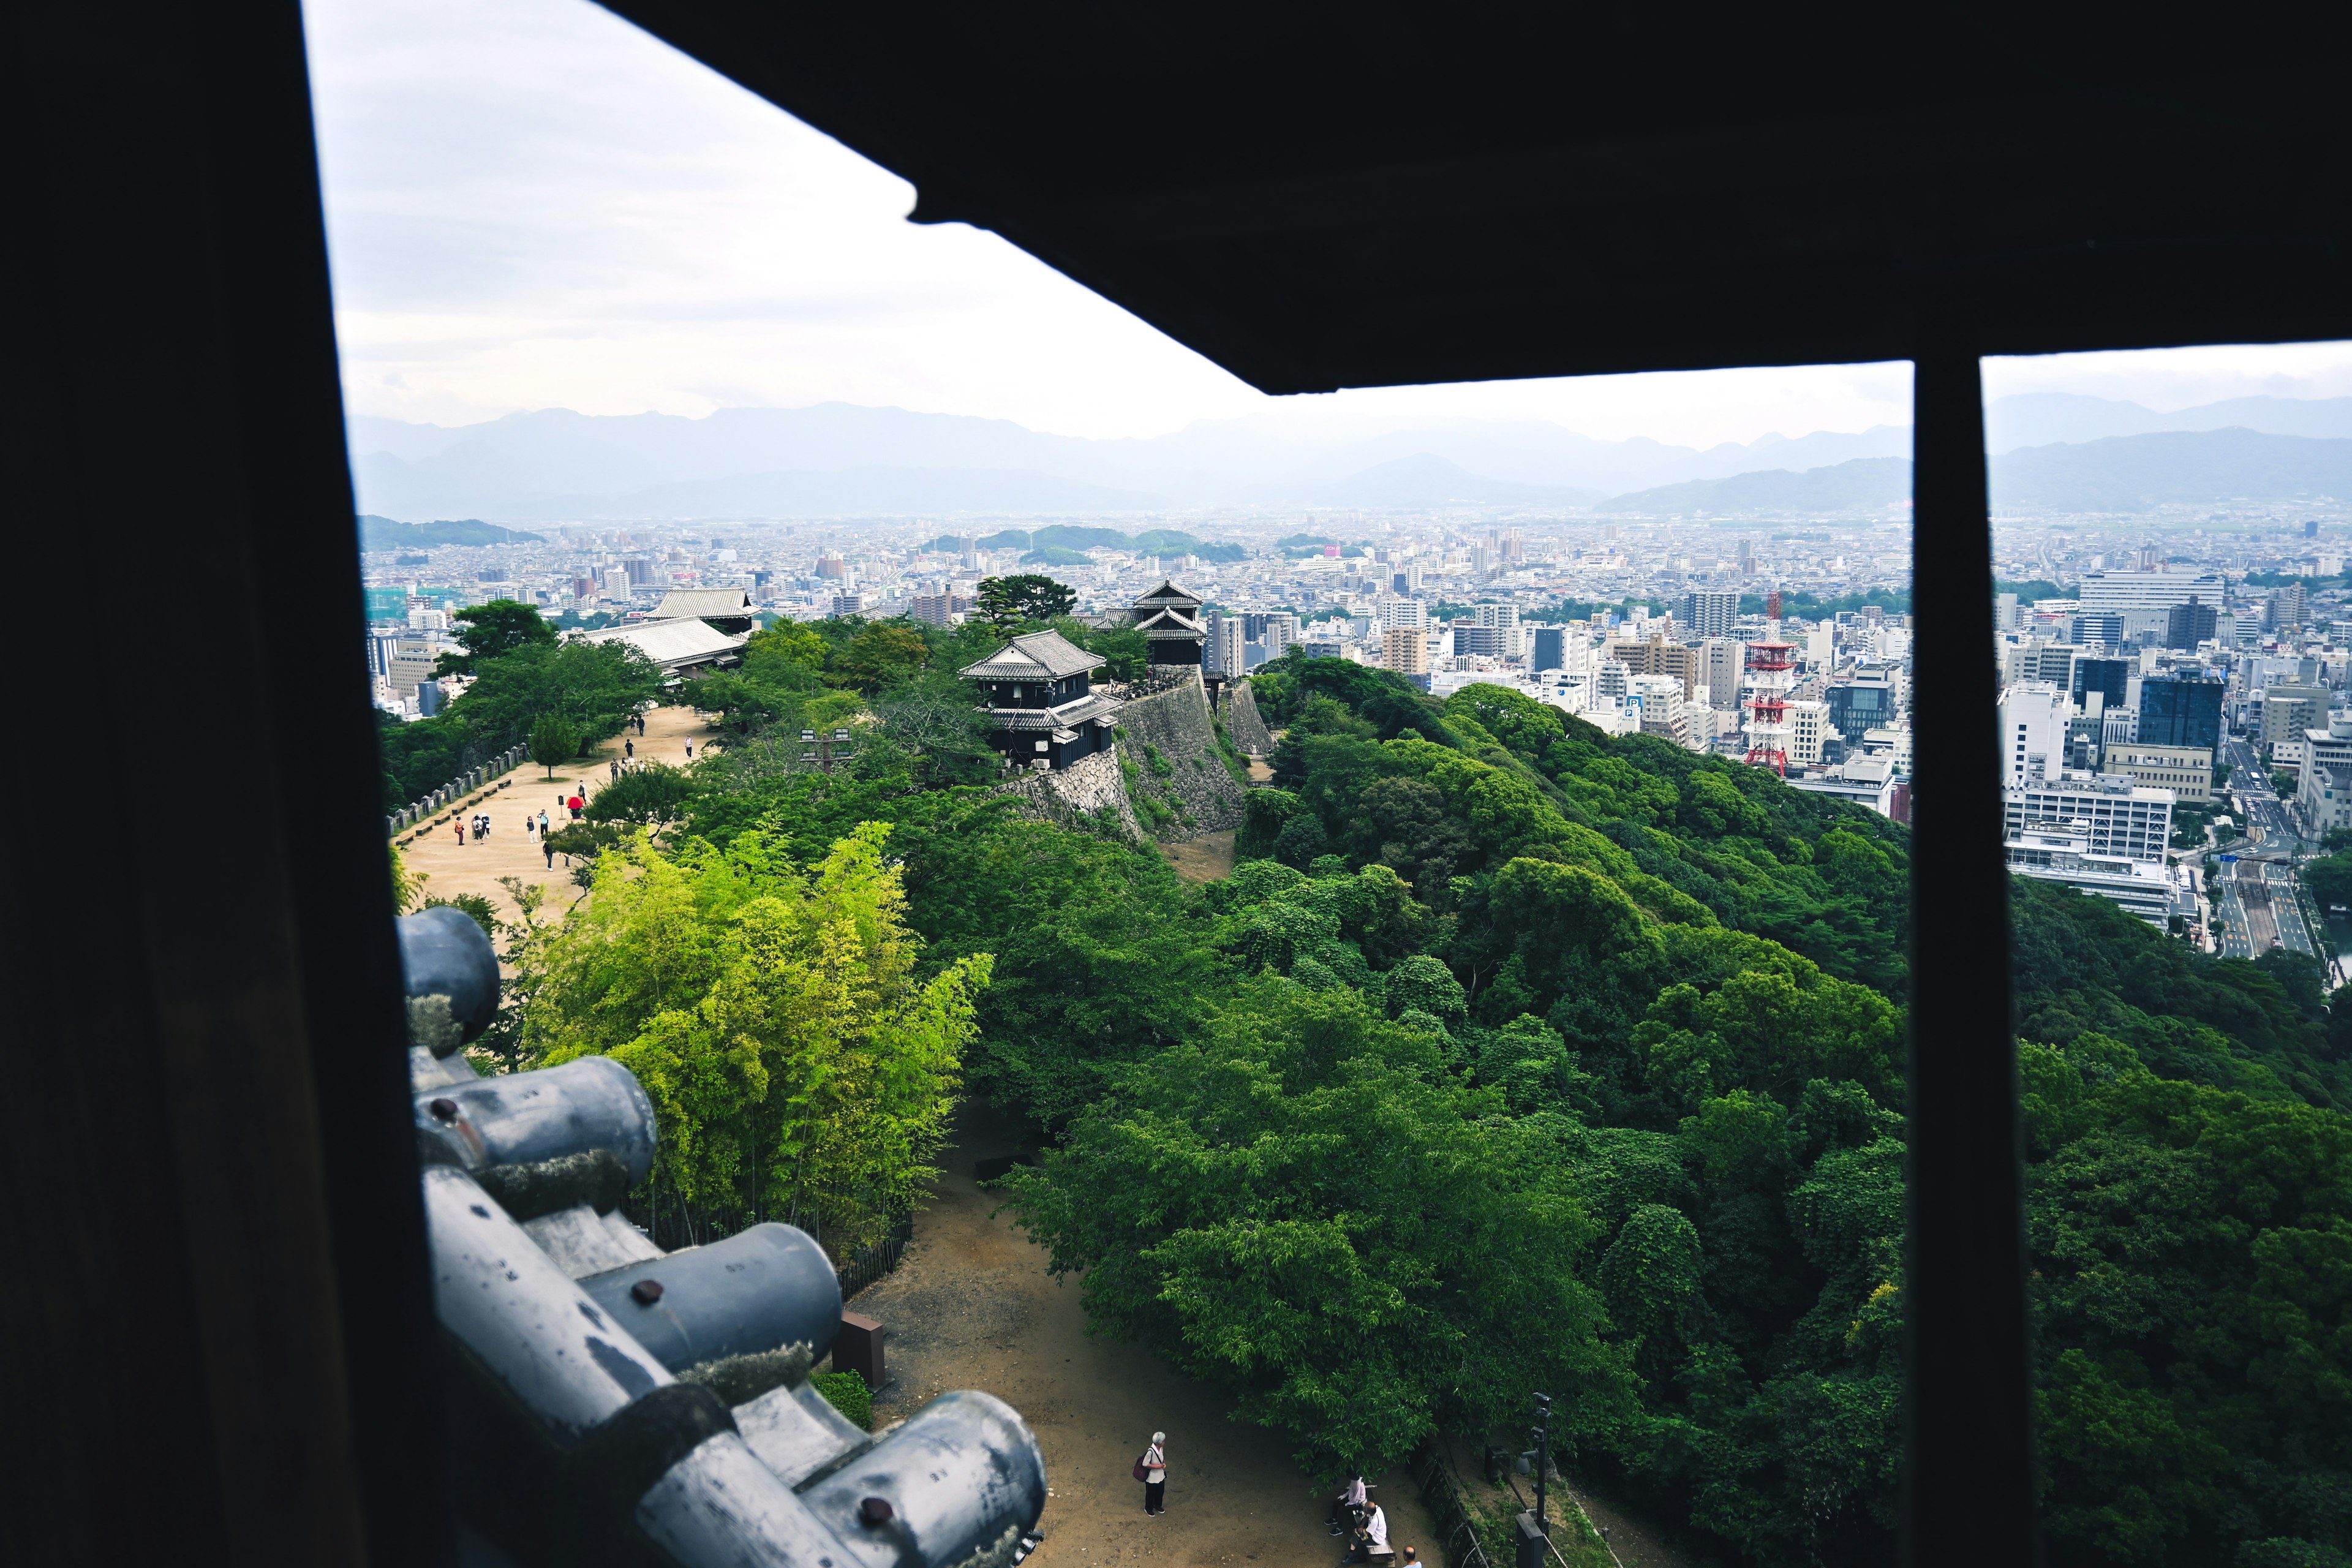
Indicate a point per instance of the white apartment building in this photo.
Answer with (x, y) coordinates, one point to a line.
(2120, 815)
(1723, 662)
(2034, 715)
(1660, 698)
(1809, 732)
(1392, 613)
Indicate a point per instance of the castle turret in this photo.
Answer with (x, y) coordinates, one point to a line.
(1038, 693)
(1169, 620)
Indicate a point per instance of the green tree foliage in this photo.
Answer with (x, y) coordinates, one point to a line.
(492, 630)
(1005, 603)
(593, 687)
(1303, 1206)
(553, 740)
(798, 1066)
(1513, 1055)
(652, 795)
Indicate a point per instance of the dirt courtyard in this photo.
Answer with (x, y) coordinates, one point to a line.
(972, 1307)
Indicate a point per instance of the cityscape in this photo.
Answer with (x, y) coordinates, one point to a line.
(2169, 721)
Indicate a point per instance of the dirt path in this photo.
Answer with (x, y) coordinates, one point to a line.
(972, 1307)
(1207, 858)
(510, 851)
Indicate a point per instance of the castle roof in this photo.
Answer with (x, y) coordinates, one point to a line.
(1040, 656)
(1169, 622)
(1168, 594)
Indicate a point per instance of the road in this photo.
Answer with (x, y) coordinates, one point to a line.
(2257, 895)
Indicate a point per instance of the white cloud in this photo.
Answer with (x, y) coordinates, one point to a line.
(531, 204)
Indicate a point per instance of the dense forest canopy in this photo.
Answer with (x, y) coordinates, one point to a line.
(1512, 1056)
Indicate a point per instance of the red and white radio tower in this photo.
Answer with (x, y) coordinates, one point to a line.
(1771, 671)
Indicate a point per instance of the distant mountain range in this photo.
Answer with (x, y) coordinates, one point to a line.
(2120, 473)
(839, 460)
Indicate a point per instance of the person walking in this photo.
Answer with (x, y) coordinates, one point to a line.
(461, 833)
(617, 768)
(629, 749)
(689, 750)
(548, 845)
(1153, 1466)
(542, 824)
(574, 806)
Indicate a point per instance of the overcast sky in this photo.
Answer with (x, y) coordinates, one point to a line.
(532, 205)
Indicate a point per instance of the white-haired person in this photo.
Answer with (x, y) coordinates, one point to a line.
(1152, 1469)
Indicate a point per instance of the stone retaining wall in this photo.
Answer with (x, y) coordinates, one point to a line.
(1244, 723)
(1199, 790)
(1075, 794)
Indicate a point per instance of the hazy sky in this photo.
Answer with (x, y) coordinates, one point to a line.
(531, 204)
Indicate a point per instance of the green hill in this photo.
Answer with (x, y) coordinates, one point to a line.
(386, 533)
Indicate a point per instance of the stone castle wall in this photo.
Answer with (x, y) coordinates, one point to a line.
(1243, 722)
(1078, 794)
(1175, 722)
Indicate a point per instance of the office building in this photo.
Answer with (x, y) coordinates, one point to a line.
(2288, 607)
(2147, 888)
(2185, 771)
(1706, 613)
(2034, 715)
(2108, 679)
(2181, 711)
(2151, 593)
(1867, 702)
(2103, 628)
(2120, 815)
(1549, 648)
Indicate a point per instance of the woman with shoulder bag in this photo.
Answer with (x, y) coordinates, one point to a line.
(1152, 1469)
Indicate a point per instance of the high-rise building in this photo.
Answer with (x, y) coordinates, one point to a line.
(1723, 663)
(2287, 712)
(1405, 649)
(1809, 732)
(1226, 652)
(2186, 625)
(1708, 613)
(1400, 612)
(2288, 607)
(2033, 731)
(2107, 677)
(2179, 711)
(1549, 649)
